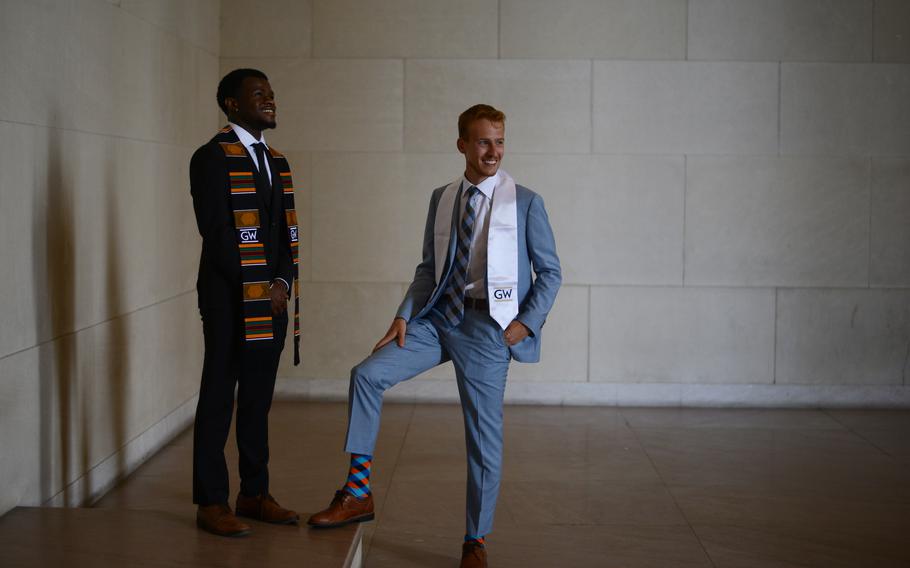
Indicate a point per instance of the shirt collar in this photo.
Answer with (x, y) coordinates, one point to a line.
(486, 187)
(245, 137)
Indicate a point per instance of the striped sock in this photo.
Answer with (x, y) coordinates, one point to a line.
(358, 483)
(477, 539)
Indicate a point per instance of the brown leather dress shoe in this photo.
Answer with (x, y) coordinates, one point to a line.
(473, 555)
(218, 519)
(264, 508)
(345, 508)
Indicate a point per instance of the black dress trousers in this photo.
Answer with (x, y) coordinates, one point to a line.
(250, 367)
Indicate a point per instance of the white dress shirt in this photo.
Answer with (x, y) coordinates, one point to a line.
(477, 264)
(247, 140)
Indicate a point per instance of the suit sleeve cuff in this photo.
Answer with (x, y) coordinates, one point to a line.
(532, 326)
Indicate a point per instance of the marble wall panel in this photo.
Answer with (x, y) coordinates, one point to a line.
(134, 183)
(340, 324)
(405, 28)
(617, 219)
(760, 221)
(64, 373)
(98, 104)
(845, 109)
(177, 242)
(266, 28)
(333, 104)
(34, 86)
(564, 348)
(892, 31)
(206, 117)
(22, 242)
(596, 29)
(685, 107)
(23, 466)
(547, 103)
(890, 230)
(195, 21)
(682, 335)
(780, 30)
(369, 213)
(837, 337)
(179, 333)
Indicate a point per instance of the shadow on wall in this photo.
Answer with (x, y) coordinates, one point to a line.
(118, 349)
(77, 386)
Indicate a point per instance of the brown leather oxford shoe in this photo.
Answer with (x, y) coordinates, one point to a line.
(218, 519)
(344, 509)
(473, 555)
(264, 508)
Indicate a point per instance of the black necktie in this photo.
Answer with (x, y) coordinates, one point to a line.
(263, 173)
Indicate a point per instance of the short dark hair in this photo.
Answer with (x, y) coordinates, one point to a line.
(479, 112)
(230, 84)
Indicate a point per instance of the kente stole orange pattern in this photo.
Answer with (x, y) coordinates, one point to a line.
(257, 311)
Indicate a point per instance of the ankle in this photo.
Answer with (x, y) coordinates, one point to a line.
(358, 481)
(356, 494)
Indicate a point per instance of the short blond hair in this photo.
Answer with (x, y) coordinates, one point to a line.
(479, 112)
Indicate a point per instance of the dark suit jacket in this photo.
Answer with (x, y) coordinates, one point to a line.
(219, 281)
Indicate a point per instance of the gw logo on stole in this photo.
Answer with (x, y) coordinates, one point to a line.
(503, 294)
(249, 235)
(293, 231)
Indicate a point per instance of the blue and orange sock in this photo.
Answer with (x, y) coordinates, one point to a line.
(358, 483)
(478, 539)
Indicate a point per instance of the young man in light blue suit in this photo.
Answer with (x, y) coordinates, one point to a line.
(473, 301)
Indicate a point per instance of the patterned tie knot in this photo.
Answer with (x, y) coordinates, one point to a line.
(470, 211)
(473, 193)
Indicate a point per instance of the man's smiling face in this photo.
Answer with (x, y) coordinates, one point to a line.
(483, 149)
(254, 105)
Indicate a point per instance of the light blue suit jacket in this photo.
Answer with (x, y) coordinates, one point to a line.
(536, 248)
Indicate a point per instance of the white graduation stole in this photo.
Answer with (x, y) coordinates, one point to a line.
(502, 245)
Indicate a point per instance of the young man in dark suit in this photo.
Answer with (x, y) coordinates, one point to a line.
(243, 200)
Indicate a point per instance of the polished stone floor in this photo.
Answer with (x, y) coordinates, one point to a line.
(593, 486)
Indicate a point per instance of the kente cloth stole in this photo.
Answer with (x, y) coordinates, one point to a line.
(257, 306)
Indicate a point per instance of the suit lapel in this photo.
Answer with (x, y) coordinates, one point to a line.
(446, 218)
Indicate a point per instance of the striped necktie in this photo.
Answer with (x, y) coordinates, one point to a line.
(452, 300)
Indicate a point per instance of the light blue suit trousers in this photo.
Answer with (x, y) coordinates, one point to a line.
(481, 360)
(476, 348)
